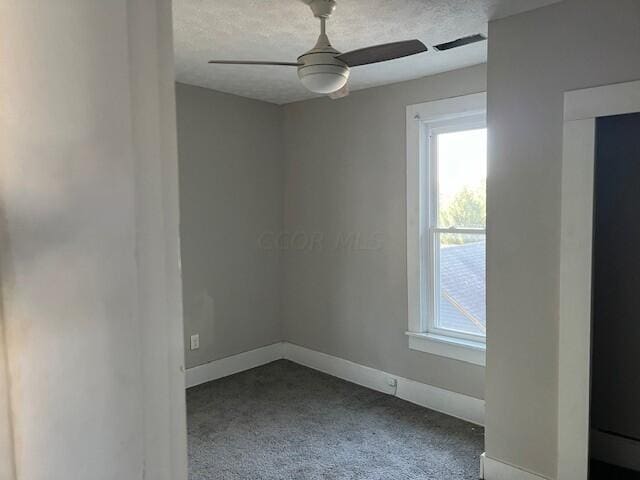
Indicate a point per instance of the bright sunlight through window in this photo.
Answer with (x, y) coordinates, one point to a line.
(457, 240)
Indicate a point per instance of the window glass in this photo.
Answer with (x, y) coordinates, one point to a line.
(458, 266)
(460, 283)
(462, 178)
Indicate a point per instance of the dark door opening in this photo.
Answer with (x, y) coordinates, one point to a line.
(615, 376)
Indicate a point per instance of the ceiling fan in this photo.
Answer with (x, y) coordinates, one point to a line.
(325, 70)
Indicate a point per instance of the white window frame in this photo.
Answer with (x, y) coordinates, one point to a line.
(423, 121)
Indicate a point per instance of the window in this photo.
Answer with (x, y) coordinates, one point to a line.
(456, 244)
(446, 237)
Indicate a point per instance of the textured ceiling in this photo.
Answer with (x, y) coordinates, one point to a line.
(281, 30)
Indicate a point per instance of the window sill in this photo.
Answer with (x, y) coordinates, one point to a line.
(457, 349)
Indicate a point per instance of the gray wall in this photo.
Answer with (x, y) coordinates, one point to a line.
(345, 178)
(90, 284)
(231, 190)
(533, 59)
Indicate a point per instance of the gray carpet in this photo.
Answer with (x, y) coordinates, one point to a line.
(287, 422)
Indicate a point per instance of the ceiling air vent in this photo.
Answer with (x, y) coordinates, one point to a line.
(461, 42)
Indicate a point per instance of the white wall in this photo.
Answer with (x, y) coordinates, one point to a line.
(231, 172)
(90, 262)
(533, 59)
(345, 179)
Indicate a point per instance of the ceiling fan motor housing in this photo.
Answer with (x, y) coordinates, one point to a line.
(321, 72)
(321, 8)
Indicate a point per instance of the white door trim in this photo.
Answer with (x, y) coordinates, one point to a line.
(582, 108)
(157, 231)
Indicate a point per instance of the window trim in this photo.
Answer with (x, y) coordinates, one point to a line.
(422, 121)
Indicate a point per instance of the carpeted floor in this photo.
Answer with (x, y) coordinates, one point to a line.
(287, 422)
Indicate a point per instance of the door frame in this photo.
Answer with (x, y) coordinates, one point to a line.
(581, 109)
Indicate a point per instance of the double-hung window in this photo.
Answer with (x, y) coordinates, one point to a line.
(446, 198)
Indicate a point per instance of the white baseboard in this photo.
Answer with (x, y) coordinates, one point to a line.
(233, 364)
(450, 403)
(337, 367)
(453, 404)
(491, 469)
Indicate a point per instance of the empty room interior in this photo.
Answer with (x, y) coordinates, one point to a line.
(319, 239)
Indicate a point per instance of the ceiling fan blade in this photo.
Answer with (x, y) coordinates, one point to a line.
(382, 53)
(249, 62)
(343, 92)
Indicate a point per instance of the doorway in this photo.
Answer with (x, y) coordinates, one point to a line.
(615, 367)
(583, 109)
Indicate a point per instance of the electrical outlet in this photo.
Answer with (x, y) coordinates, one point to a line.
(195, 342)
(392, 382)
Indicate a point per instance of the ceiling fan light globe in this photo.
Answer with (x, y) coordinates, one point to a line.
(324, 83)
(324, 79)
